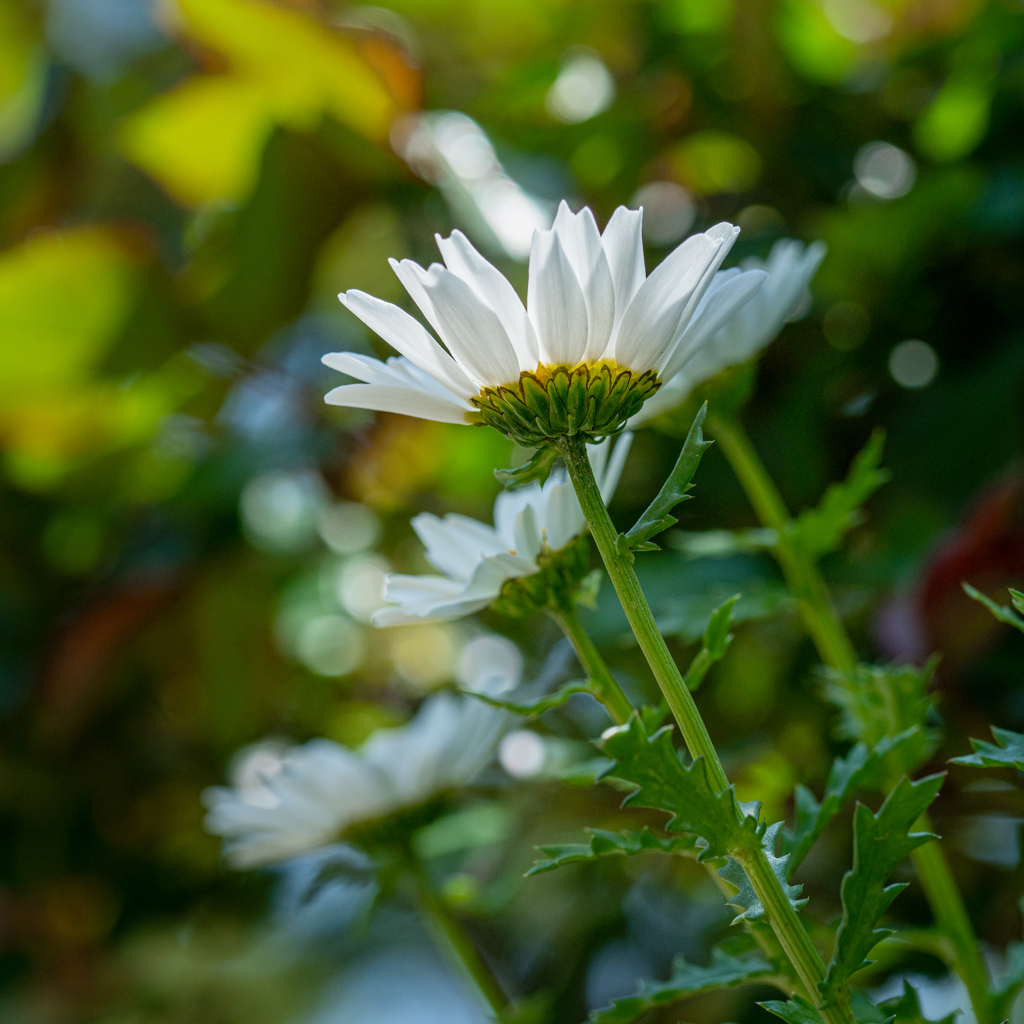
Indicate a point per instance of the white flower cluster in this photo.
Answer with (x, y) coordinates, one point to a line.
(477, 559)
(589, 300)
(286, 801)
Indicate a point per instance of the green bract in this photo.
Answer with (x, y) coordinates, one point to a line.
(561, 572)
(590, 400)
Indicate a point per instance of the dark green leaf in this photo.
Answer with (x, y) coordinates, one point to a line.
(534, 708)
(1006, 752)
(878, 701)
(673, 491)
(793, 1011)
(861, 768)
(537, 469)
(605, 844)
(906, 1009)
(1008, 985)
(716, 642)
(820, 530)
(880, 842)
(687, 980)
(663, 782)
(1000, 611)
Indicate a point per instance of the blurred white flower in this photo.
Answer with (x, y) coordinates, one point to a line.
(790, 267)
(477, 559)
(596, 336)
(286, 801)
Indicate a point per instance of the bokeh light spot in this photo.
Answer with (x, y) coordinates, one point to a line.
(913, 364)
(668, 211)
(522, 754)
(583, 89)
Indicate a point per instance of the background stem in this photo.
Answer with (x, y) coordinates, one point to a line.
(608, 691)
(451, 937)
(782, 916)
(836, 650)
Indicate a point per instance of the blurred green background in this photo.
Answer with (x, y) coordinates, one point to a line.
(192, 543)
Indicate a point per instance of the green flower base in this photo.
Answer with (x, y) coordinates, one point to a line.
(561, 573)
(592, 400)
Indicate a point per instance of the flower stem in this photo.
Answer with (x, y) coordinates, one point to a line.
(805, 582)
(455, 943)
(830, 637)
(781, 914)
(607, 690)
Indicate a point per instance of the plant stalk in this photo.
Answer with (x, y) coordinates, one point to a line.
(836, 650)
(782, 917)
(607, 690)
(451, 937)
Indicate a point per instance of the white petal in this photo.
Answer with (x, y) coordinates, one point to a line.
(727, 234)
(410, 338)
(563, 517)
(719, 305)
(456, 544)
(555, 302)
(608, 477)
(405, 401)
(494, 289)
(469, 327)
(507, 507)
(527, 534)
(581, 242)
(650, 323)
(624, 249)
(424, 599)
(397, 372)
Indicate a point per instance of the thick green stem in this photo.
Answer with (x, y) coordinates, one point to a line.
(456, 944)
(802, 576)
(951, 916)
(607, 690)
(781, 915)
(638, 611)
(830, 637)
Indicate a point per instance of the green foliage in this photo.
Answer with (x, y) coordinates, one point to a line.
(880, 842)
(906, 1009)
(820, 530)
(1009, 984)
(664, 783)
(746, 899)
(535, 708)
(657, 518)
(861, 768)
(793, 1011)
(716, 642)
(1011, 616)
(876, 702)
(1006, 752)
(687, 980)
(536, 468)
(608, 844)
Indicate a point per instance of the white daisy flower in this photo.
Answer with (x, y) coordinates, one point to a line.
(790, 267)
(531, 525)
(285, 801)
(596, 337)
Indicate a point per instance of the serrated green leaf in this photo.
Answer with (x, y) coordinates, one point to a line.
(664, 783)
(861, 768)
(608, 844)
(1000, 611)
(1006, 752)
(906, 1009)
(687, 980)
(673, 491)
(880, 842)
(793, 1011)
(746, 900)
(716, 642)
(879, 701)
(534, 708)
(818, 531)
(536, 469)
